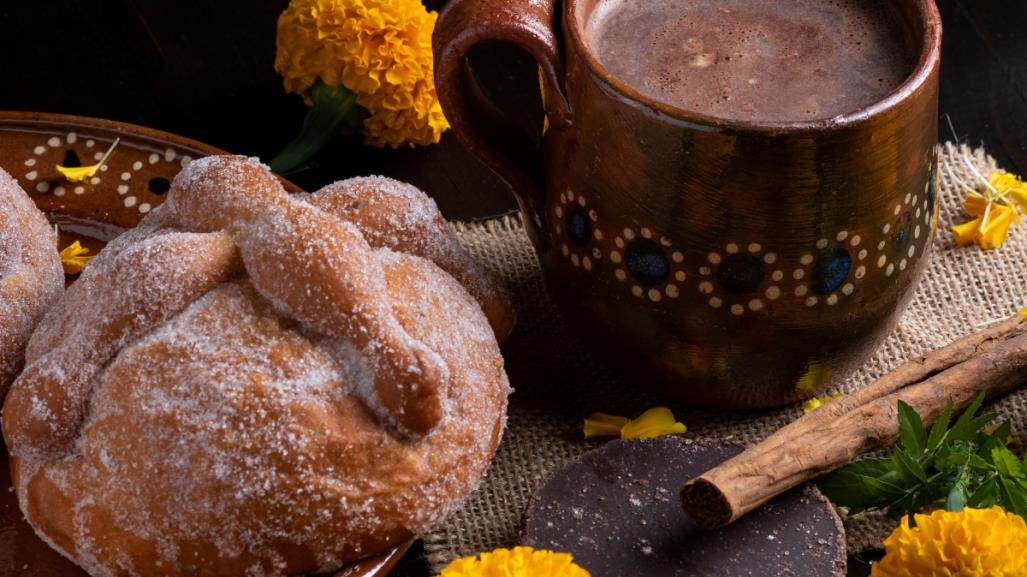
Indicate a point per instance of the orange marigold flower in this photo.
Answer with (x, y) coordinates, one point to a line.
(516, 562)
(378, 49)
(971, 543)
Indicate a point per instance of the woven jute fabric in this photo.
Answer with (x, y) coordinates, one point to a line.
(558, 382)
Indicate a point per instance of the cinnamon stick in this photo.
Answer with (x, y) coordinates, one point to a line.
(992, 360)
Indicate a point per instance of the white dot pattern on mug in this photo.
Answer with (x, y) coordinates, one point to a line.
(745, 276)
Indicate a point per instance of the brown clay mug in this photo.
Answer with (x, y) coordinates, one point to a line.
(724, 263)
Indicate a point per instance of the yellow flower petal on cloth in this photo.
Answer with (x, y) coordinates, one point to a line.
(995, 230)
(974, 204)
(516, 562)
(816, 402)
(967, 232)
(995, 208)
(653, 423)
(74, 258)
(1019, 197)
(603, 425)
(1009, 185)
(971, 543)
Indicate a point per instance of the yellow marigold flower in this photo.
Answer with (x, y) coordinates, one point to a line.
(378, 49)
(516, 562)
(815, 403)
(74, 258)
(652, 423)
(971, 543)
(995, 208)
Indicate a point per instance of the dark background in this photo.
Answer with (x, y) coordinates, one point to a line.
(203, 69)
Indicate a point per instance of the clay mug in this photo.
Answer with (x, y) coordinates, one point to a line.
(723, 263)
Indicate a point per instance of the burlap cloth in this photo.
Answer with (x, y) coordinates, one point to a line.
(558, 382)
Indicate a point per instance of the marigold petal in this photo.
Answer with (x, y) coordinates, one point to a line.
(975, 204)
(603, 425)
(653, 423)
(967, 232)
(77, 173)
(1005, 182)
(994, 232)
(74, 259)
(815, 403)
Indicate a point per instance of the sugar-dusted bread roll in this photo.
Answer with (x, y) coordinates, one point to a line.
(31, 277)
(252, 383)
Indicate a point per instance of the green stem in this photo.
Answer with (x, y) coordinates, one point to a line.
(331, 110)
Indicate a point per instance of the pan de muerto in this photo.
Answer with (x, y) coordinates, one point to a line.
(31, 277)
(252, 383)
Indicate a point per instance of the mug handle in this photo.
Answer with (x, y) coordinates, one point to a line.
(478, 124)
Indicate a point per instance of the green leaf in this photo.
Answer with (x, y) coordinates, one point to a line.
(331, 110)
(912, 435)
(860, 486)
(957, 498)
(1012, 497)
(985, 495)
(1006, 462)
(907, 467)
(960, 466)
(870, 467)
(940, 427)
(978, 463)
(967, 425)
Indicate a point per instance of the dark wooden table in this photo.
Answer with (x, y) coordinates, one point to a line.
(204, 70)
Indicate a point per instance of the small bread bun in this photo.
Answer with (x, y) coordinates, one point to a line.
(246, 385)
(31, 276)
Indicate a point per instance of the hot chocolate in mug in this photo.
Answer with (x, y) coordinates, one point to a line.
(732, 200)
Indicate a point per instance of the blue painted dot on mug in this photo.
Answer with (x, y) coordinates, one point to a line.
(740, 273)
(932, 189)
(578, 226)
(903, 231)
(832, 268)
(645, 260)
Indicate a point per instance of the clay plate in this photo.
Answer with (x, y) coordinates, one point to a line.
(133, 182)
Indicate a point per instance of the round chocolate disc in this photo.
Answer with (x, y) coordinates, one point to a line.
(616, 509)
